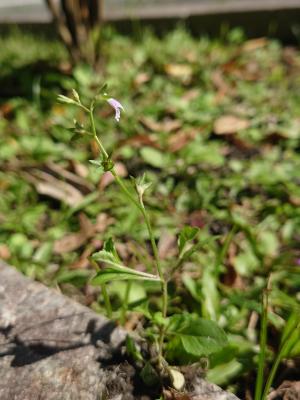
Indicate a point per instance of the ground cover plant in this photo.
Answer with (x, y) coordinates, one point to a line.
(215, 127)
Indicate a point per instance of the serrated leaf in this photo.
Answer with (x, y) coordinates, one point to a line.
(198, 336)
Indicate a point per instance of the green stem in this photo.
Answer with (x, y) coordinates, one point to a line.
(107, 302)
(141, 208)
(285, 349)
(164, 282)
(224, 250)
(262, 347)
(125, 303)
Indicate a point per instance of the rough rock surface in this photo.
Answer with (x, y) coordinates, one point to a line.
(52, 348)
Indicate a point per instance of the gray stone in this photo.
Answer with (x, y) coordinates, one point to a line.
(52, 348)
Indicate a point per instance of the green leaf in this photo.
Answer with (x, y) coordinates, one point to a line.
(198, 336)
(222, 374)
(117, 271)
(188, 233)
(64, 99)
(149, 375)
(132, 349)
(77, 277)
(154, 157)
(210, 294)
(97, 163)
(291, 334)
(110, 247)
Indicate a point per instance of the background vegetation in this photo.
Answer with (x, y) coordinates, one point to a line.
(215, 125)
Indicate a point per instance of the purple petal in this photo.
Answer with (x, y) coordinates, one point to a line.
(117, 106)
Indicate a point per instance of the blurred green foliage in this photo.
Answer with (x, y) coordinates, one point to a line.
(215, 125)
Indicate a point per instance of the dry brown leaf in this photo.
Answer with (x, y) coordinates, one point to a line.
(83, 261)
(230, 124)
(107, 178)
(141, 140)
(4, 252)
(102, 222)
(183, 72)
(46, 184)
(73, 241)
(167, 125)
(288, 390)
(191, 94)
(167, 245)
(70, 177)
(6, 110)
(178, 140)
(172, 394)
(221, 85)
(198, 219)
(80, 169)
(254, 44)
(141, 78)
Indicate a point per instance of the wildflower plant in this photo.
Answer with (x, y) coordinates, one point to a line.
(173, 336)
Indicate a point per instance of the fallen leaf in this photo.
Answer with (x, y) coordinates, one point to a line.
(83, 261)
(141, 78)
(198, 218)
(102, 222)
(167, 125)
(47, 185)
(80, 169)
(254, 44)
(141, 140)
(183, 72)
(4, 252)
(73, 241)
(178, 140)
(6, 110)
(221, 85)
(69, 177)
(173, 394)
(230, 124)
(191, 95)
(166, 245)
(288, 390)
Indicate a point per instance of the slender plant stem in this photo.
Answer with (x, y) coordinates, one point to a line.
(164, 282)
(285, 349)
(224, 250)
(141, 208)
(262, 347)
(125, 303)
(125, 190)
(107, 302)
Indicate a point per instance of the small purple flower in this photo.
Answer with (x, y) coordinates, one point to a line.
(117, 106)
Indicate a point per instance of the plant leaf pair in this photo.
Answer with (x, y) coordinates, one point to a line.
(116, 270)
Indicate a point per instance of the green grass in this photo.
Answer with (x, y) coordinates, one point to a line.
(240, 188)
